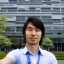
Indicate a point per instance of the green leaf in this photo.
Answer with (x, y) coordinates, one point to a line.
(4, 41)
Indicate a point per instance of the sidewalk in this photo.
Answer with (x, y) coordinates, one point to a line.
(60, 61)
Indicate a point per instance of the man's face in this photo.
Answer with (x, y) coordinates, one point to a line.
(32, 34)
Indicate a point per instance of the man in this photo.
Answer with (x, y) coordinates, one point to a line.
(34, 31)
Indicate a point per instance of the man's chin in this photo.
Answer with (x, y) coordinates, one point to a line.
(33, 43)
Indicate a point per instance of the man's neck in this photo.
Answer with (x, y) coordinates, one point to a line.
(33, 48)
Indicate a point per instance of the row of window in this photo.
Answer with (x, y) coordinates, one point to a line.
(18, 2)
(45, 19)
(19, 28)
(32, 2)
(31, 9)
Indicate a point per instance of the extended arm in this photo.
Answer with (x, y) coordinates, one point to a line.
(6, 60)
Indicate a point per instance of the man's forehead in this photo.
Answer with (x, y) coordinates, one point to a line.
(31, 25)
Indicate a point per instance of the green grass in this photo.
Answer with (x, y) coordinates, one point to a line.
(2, 55)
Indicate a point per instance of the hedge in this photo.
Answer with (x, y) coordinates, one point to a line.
(59, 55)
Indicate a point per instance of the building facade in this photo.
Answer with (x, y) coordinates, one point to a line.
(51, 12)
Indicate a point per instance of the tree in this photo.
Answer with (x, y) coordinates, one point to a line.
(15, 43)
(4, 41)
(47, 43)
(3, 24)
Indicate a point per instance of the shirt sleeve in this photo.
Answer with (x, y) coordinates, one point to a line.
(14, 55)
(53, 59)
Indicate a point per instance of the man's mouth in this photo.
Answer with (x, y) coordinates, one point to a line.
(33, 38)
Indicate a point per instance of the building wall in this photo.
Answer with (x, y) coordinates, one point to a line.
(51, 12)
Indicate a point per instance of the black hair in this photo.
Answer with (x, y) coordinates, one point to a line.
(37, 23)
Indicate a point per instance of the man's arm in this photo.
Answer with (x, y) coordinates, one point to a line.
(6, 60)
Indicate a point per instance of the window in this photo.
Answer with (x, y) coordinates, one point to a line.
(12, 0)
(63, 28)
(62, 0)
(20, 18)
(47, 0)
(63, 20)
(19, 28)
(56, 20)
(21, 10)
(45, 9)
(47, 22)
(27, 8)
(59, 33)
(21, 1)
(56, 28)
(32, 1)
(32, 9)
(12, 28)
(48, 28)
(37, 8)
(56, 10)
(62, 10)
(26, 0)
(10, 9)
(46, 18)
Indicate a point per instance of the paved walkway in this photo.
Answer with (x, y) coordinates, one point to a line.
(60, 61)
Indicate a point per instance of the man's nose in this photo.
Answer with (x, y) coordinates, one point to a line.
(33, 32)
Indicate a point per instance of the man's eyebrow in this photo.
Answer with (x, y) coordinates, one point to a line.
(28, 27)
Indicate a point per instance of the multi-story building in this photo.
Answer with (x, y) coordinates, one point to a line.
(51, 12)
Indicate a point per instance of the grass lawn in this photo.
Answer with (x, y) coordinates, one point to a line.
(2, 55)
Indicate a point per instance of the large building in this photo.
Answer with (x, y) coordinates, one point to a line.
(51, 12)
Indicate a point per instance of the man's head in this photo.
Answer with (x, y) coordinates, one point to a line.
(29, 25)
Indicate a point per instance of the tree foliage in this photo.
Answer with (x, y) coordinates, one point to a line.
(15, 43)
(3, 24)
(4, 41)
(47, 43)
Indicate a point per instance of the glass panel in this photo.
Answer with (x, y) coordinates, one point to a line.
(12, 0)
(63, 20)
(57, 28)
(45, 9)
(48, 28)
(62, 10)
(20, 18)
(47, 0)
(56, 20)
(32, 9)
(46, 18)
(56, 10)
(32, 1)
(19, 28)
(10, 9)
(12, 28)
(21, 1)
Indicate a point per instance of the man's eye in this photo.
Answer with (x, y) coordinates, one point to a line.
(37, 30)
(29, 29)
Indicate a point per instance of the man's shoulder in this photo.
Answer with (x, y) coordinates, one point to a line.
(47, 53)
(17, 50)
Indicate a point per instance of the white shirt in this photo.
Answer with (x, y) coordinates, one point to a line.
(19, 57)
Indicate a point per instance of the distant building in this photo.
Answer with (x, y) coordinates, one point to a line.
(51, 12)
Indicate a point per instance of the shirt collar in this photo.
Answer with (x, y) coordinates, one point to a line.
(25, 50)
